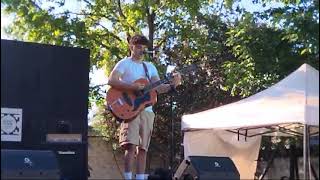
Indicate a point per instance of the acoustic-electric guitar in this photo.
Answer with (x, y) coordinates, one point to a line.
(126, 105)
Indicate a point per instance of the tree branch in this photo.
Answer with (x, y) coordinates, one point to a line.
(36, 5)
(108, 48)
(123, 16)
(86, 1)
(150, 20)
(78, 14)
(120, 10)
(109, 33)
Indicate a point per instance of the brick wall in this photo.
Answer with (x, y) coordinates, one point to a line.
(104, 163)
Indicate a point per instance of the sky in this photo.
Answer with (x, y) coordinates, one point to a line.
(249, 6)
(5, 21)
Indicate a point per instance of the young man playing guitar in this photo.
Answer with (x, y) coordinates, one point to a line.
(135, 135)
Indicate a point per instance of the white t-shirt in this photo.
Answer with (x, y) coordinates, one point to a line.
(132, 71)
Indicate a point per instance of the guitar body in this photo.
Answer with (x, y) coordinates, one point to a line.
(126, 105)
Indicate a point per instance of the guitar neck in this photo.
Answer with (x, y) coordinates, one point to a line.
(155, 84)
(167, 79)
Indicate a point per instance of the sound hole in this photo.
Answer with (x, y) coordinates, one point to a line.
(127, 98)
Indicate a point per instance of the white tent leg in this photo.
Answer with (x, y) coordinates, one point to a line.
(306, 152)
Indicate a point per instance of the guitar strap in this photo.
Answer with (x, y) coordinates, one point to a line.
(146, 71)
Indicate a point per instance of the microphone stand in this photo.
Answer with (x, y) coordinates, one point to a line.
(172, 91)
(172, 147)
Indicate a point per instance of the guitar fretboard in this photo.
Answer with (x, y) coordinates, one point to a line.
(155, 84)
(167, 79)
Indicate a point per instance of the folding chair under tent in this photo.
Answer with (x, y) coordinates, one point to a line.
(289, 107)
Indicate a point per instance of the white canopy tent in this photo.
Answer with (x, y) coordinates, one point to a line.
(289, 107)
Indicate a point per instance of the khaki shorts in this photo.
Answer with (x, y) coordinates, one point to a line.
(138, 131)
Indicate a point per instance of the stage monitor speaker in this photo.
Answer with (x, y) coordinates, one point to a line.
(207, 168)
(29, 164)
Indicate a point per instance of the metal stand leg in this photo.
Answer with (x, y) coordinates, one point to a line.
(268, 164)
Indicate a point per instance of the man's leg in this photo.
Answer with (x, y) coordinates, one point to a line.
(145, 132)
(141, 161)
(128, 160)
(129, 138)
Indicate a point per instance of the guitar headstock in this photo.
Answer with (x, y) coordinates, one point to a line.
(170, 69)
(187, 69)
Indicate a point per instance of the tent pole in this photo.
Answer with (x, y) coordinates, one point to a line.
(306, 157)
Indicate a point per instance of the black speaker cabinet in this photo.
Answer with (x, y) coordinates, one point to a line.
(207, 168)
(72, 160)
(44, 102)
(29, 164)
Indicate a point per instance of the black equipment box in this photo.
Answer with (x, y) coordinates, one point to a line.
(44, 102)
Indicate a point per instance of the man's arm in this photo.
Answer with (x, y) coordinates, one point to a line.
(167, 87)
(114, 81)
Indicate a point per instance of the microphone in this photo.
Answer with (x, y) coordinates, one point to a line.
(148, 52)
(151, 52)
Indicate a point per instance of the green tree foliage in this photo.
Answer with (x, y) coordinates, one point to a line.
(238, 53)
(268, 45)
